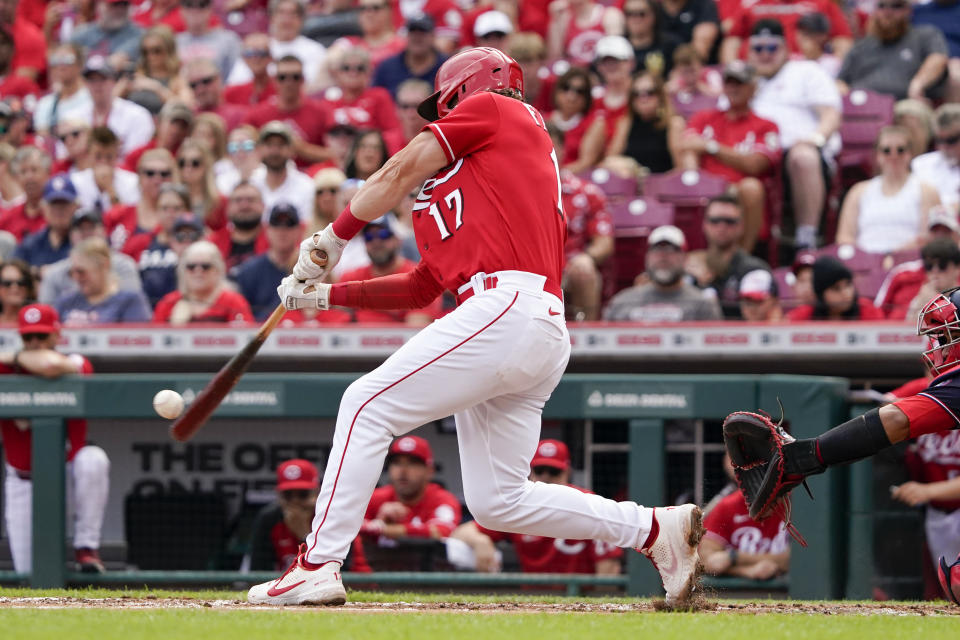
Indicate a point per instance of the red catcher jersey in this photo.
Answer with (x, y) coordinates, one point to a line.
(16, 432)
(935, 457)
(729, 523)
(435, 516)
(747, 134)
(555, 555)
(497, 206)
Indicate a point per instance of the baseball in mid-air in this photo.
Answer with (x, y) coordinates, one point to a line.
(168, 403)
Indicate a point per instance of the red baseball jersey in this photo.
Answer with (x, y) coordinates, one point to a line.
(497, 206)
(585, 207)
(310, 121)
(436, 515)
(16, 221)
(16, 432)
(729, 523)
(286, 546)
(229, 306)
(935, 408)
(935, 457)
(374, 109)
(434, 309)
(788, 12)
(121, 225)
(248, 95)
(746, 134)
(555, 555)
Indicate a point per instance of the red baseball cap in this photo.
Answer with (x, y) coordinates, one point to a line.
(297, 474)
(39, 318)
(551, 453)
(413, 446)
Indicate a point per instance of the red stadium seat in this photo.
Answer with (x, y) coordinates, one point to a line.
(784, 278)
(615, 187)
(688, 192)
(687, 104)
(861, 104)
(632, 223)
(864, 114)
(869, 269)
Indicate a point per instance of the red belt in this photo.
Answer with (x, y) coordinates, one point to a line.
(490, 282)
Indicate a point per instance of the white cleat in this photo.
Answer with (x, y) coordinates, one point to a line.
(674, 552)
(300, 585)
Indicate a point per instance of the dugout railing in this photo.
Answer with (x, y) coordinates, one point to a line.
(646, 402)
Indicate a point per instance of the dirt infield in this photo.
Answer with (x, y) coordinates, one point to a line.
(710, 606)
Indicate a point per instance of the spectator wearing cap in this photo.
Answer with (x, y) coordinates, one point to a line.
(173, 126)
(760, 297)
(112, 36)
(692, 21)
(492, 29)
(276, 178)
(888, 213)
(207, 88)
(837, 297)
(16, 85)
(910, 285)
(69, 95)
(896, 58)
(125, 222)
(410, 93)
(737, 144)
(30, 168)
(383, 248)
(536, 554)
(942, 167)
(286, 39)
(282, 526)
(257, 277)
(327, 184)
(105, 185)
(52, 242)
(576, 28)
(98, 298)
(722, 265)
(260, 87)
(200, 40)
(419, 60)
(803, 101)
(744, 19)
(130, 122)
(18, 288)
(649, 132)
(242, 238)
(689, 81)
(74, 136)
(666, 297)
(307, 120)
(356, 103)
(652, 46)
(813, 41)
(411, 505)
(203, 294)
(57, 283)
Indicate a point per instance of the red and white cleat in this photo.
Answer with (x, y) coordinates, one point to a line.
(88, 560)
(300, 585)
(674, 551)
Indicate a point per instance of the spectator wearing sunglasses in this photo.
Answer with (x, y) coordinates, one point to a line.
(69, 95)
(125, 222)
(744, 18)
(73, 146)
(243, 158)
(158, 71)
(536, 554)
(207, 89)
(203, 294)
(888, 213)
(132, 124)
(419, 60)
(938, 269)
(113, 35)
(195, 162)
(572, 101)
(410, 93)
(17, 289)
(202, 41)
(282, 526)
(98, 298)
(57, 283)
(30, 169)
(942, 167)
(256, 54)
(242, 238)
(896, 58)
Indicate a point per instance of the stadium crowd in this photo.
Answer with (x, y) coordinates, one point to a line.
(764, 161)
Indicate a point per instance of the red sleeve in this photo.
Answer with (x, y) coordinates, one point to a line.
(925, 414)
(911, 388)
(376, 501)
(469, 127)
(739, 24)
(801, 314)
(600, 223)
(443, 519)
(496, 536)
(868, 311)
(718, 521)
(412, 290)
(605, 551)
(695, 123)
(217, 217)
(838, 22)
(162, 312)
(239, 308)
(768, 140)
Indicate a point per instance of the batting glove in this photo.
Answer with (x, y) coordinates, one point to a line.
(326, 241)
(295, 294)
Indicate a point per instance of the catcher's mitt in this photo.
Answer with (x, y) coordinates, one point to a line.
(755, 445)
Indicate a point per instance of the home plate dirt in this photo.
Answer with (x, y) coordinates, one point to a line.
(712, 606)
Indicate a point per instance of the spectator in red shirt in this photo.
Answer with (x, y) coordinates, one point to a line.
(572, 100)
(911, 285)
(243, 237)
(125, 221)
(12, 84)
(736, 545)
(788, 12)
(74, 135)
(576, 27)
(550, 464)
(31, 169)
(737, 144)
(203, 77)
(30, 46)
(837, 298)
(173, 127)
(410, 93)
(256, 53)
(164, 13)
(379, 36)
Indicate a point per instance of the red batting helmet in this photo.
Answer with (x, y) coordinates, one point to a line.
(467, 73)
(950, 579)
(940, 321)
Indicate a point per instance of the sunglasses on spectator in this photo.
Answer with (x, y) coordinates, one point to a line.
(770, 47)
(190, 235)
(379, 234)
(166, 174)
(892, 6)
(6, 284)
(195, 4)
(954, 139)
(202, 82)
(373, 7)
(359, 68)
(203, 266)
(578, 89)
(544, 470)
(295, 494)
(407, 106)
(641, 13)
(154, 51)
(196, 163)
(888, 151)
(245, 145)
(643, 93)
(294, 77)
(256, 53)
(29, 337)
(77, 271)
(730, 222)
(330, 190)
(61, 60)
(69, 134)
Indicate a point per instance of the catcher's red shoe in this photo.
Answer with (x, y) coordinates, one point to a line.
(949, 575)
(89, 561)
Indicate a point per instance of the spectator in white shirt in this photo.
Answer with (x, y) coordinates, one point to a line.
(803, 101)
(278, 178)
(131, 123)
(68, 96)
(105, 184)
(941, 168)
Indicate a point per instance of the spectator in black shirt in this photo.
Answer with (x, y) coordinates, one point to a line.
(419, 60)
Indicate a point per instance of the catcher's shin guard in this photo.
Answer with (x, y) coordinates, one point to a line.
(949, 575)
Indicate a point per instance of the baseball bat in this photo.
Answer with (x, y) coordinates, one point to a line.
(219, 386)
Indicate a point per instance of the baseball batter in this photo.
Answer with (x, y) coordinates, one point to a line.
(490, 227)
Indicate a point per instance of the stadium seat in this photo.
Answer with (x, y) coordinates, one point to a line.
(615, 187)
(784, 278)
(632, 223)
(868, 268)
(864, 114)
(687, 104)
(864, 105)
(688, 191)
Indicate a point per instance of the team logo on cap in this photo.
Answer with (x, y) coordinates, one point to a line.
(32, 315)
(59, 183)
(407, 444)
(548, 449)
(292, 472)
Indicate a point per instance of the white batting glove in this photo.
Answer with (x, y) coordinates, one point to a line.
(294, 294)
(326, 241)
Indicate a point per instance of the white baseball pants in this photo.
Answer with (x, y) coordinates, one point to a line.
(492, 363)
(88, 484)
(943, 534)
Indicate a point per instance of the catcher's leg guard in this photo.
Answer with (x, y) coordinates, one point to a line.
(950, 579)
